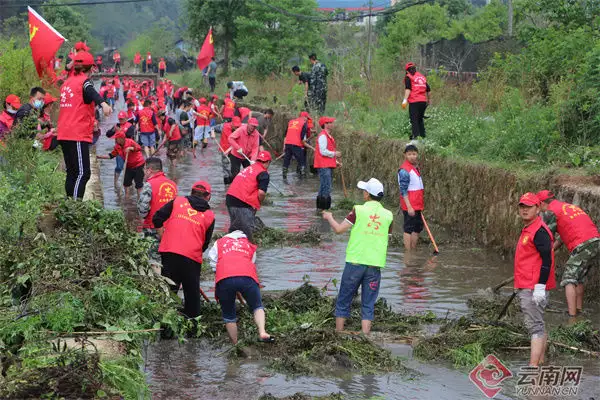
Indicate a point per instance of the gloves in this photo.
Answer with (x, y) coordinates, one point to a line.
(539, 294)
(240, 150)
(404, 103)
(252, 162)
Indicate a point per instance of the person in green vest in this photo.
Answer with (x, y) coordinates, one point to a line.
(369, 225)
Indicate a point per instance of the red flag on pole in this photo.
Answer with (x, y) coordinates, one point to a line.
(207, 51)
(44, 41)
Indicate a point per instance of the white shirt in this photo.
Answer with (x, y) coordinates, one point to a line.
(213, 254)
(323, 147)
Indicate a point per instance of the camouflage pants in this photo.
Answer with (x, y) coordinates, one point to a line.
(580, 261)
(317, 100)
(153, 252)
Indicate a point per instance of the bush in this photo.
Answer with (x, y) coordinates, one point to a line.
(18, 72)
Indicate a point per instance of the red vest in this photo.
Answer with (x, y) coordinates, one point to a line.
(528, 260)
(110, 91)
(116, 57)
(573, 225)
(325, 162)
(137, 58)
(162, 65)
(225, 133)
(75, 118)
(235, 259)
(135, 159)
(185, 230)
(148, 59)
(146, 124)
(244, 112)
(7, 119)
(416, 191)
(123, 129)
(163, 191)
(229, 108)
(245, 186)
(176, 135)
(204, 111)
(294, 132)
(99, 60)
(418, 88)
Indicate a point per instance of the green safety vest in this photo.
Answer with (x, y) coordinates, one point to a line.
(369, 236)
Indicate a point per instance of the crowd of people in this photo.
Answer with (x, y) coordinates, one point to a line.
(158, 114)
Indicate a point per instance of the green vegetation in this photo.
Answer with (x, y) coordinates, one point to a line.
(302, 396)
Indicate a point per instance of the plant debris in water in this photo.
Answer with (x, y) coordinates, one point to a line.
(302, 396)
(271, 237)
(345, 204)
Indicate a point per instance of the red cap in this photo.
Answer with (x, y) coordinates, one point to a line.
(325, 120)
(169, 81)
(13, 100)
(202, 100)
(529, 199)
(253, 122)
(202, 185)
(119, 134)
(49, 99)
(544, 195)
(84, 58)
(305, 114)
(122, 115)
(236, 121)
(408, 65)
(214, 96)
(264, 156)
(227, 95)
(81, 46)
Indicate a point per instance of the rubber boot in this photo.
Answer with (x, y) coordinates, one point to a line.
(302, 172)
(327, 201)
(319, 203)
(284, 173)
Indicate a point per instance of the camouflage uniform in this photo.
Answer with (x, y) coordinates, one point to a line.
(143, 209)
(317, 95)
(581, 259)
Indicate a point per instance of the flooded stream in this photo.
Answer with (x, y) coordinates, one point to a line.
(415, 283)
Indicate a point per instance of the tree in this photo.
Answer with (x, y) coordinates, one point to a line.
(221, 15)
(70, 23)
(267, 34)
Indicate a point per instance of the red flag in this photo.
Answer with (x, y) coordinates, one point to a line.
(207, 51)
(44, 41)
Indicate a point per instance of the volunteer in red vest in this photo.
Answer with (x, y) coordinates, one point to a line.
(247, 192)
(46, 138)
(99, 63)
(188, 225)
(12, 103)
(244, 142)
(534, 273)
(156, 192)
(137, 59)
(224, 148)
(233, 257)
(147, 126)
(76, 118)
(416, 96)
(202, 130)
(295, 139)
(148, 62)
(228, 110)
(412, 196)
(215, 111)
(325, 162)
(131, 152)
(117, 61)
(162, 67)
(123, 127)
(580, 235)
(172, 136)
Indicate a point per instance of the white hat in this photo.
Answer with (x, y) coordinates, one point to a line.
(373, 186)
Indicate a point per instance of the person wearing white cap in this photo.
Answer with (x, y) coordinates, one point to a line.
(369, 225)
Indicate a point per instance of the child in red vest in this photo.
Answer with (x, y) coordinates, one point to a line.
(411, 196)
(134, 165)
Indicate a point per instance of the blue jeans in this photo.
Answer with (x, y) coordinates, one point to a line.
(325, 178)
(226, 290)
(356, 275)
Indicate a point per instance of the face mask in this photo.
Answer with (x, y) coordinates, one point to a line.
(38, 104)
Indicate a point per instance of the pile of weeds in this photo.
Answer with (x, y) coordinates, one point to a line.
(271, 237)
(345, 204)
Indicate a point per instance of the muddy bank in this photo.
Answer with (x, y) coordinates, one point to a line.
(472, 201)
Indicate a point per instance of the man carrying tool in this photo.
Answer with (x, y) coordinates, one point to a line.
(156, 192)
(224, 147)
(294, 142)
(369, 225)
(188, 226)
(534, 273)
(325, 162)
(234, 256)
(202, 131)
(412, 200)
(247, 192)
(580, 235)
(244, 142)
(172, 136)
(131, 152)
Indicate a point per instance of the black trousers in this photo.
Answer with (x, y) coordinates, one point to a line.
(417, 112)
(212, 82)
(77, 163)
(297, 152)
(185, 272)
(237, 164)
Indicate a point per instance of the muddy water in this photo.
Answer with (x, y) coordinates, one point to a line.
(196, 370)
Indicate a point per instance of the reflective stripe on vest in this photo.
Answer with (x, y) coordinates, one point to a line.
(75, 118)
(293, 135)
(418, 88)
(572, 224)
(185, 230)
(416, 190)
(163, 191)
(235, 259)
(245, 185)
(321, 161)
(528, 261)
(369, 236)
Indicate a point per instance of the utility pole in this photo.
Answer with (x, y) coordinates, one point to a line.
(369, 41)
